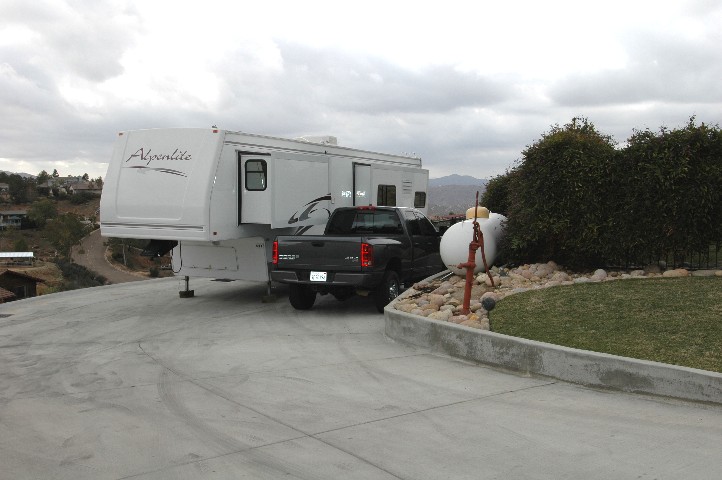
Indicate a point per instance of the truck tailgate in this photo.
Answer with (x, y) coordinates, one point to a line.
(309, 252)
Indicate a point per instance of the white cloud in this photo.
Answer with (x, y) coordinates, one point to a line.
(467, 85)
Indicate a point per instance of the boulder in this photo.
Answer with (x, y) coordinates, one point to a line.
(599, 275)
(676, 273)
(560, 276)
(436, 299)
(441, 315)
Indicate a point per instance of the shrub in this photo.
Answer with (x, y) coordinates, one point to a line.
(576, 199)
(76, 276)
(557, 196)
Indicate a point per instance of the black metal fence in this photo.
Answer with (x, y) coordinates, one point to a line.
(700, 260)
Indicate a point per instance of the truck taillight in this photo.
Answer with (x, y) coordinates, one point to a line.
(275, 252)
(367, 255)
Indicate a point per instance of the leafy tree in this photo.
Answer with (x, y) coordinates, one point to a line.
(99, 182)
(558, 197)
(673, 200)
(86, 177)
(496, 197)
(20, 189)
(55, 173)
(575, 199)
(41, 211)
(81, 198)
(64, 231)
(42, 177)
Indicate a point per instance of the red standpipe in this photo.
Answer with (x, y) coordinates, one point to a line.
(476, 243)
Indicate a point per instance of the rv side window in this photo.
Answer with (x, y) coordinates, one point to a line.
(419, 199)
(386, 196)
(256, 175)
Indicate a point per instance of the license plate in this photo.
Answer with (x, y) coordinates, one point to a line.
(318, 276)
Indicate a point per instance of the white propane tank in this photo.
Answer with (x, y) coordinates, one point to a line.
(454, 247)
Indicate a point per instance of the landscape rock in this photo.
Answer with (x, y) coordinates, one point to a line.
(443, 316)
(676, 273)
(472, 324)
(560, 276)
(447, 306)
(436, 299)
(705, 273)
(599, 275)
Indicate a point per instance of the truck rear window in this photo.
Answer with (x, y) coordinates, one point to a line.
(345, 222)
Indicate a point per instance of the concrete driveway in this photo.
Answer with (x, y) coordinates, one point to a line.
(130, 381)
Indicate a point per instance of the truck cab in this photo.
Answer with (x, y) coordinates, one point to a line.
(363, 250)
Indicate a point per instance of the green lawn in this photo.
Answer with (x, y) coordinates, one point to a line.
(676, 320)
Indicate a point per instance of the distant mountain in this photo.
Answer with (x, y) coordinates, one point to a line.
(456, 180)
(453, 194)
(24, 175)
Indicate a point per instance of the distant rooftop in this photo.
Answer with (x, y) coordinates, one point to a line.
(17, 254)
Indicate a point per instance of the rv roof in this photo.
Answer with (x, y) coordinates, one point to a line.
(329, 143)
(325, 140)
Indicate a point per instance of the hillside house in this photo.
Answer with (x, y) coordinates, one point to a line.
(89, 187)
(17, 258)
(68, 186)
(5, 192)
(20, 285)
(12, 218)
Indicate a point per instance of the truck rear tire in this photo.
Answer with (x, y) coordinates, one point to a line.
(302, 297)
(387, 290)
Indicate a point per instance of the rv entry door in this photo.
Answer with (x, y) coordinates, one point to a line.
(361, 184)
(253, 193)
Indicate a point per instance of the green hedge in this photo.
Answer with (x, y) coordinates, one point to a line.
(576, 198)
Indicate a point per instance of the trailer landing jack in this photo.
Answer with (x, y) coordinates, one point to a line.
(186, 293)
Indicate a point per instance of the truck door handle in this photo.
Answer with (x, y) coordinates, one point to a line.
(317, 244)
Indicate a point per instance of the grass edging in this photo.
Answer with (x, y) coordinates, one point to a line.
(568, 364)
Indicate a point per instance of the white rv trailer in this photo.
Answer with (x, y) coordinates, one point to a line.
(223, 196)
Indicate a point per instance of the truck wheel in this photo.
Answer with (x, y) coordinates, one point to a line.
(387, 291)
(301, 297)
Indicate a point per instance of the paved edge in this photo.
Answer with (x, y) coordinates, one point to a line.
(568, 364)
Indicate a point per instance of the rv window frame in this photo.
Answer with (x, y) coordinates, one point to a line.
(419, 199)
(263, 172)
(382, 194)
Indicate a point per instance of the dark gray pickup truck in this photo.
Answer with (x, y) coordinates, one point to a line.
(365, 250)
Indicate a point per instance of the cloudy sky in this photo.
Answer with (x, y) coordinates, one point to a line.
(465, 85)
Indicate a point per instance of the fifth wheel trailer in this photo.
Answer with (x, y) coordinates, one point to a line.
(218, 198)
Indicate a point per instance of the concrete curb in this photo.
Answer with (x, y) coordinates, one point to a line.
(568, 364)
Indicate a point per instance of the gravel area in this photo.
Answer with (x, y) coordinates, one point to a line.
(442, 298)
